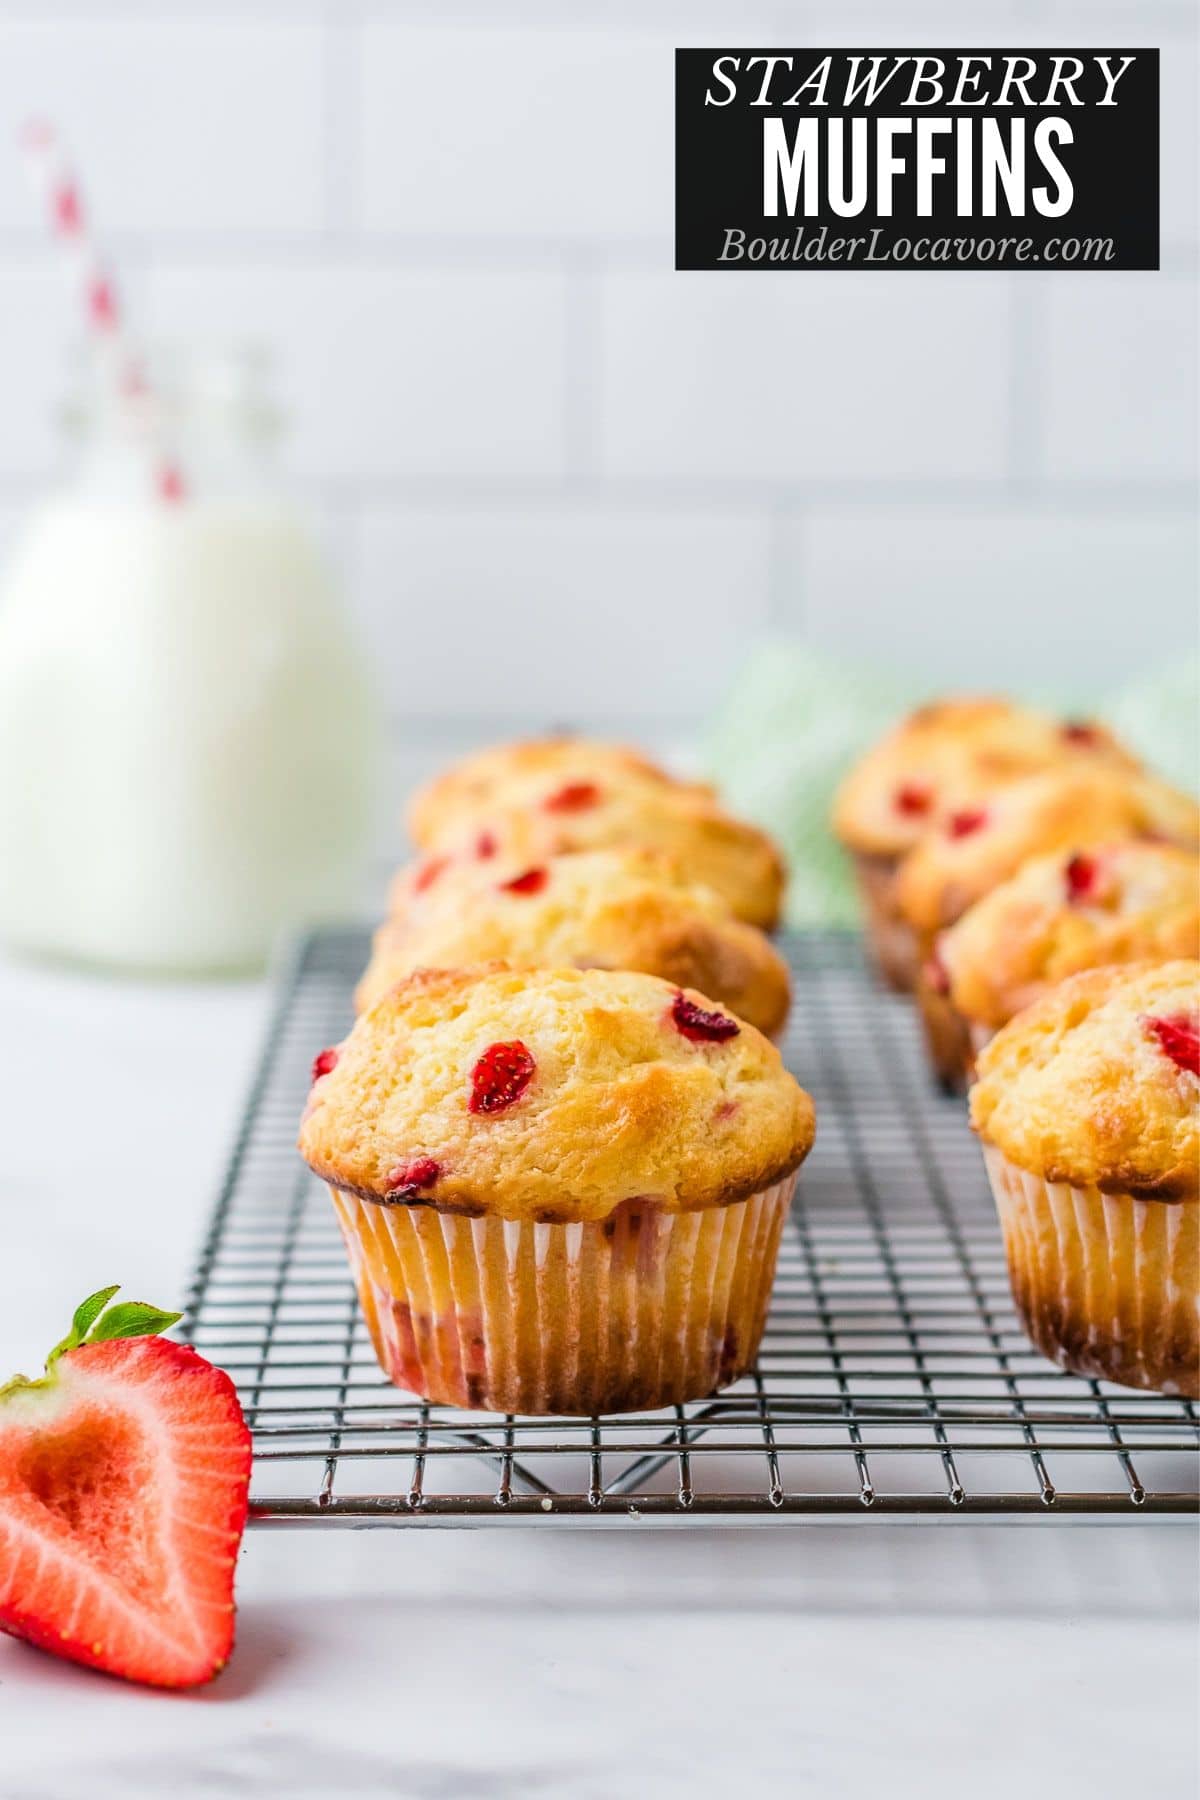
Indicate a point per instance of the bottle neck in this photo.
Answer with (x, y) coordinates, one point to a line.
(198, 427)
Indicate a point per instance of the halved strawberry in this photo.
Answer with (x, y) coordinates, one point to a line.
(123, 1479)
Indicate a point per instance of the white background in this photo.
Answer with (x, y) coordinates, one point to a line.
(564, 482)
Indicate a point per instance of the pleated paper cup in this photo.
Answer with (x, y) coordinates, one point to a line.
(890, 939)
(947, 1037)
(645, 1309)
(1106, 1285)
(978, 1037)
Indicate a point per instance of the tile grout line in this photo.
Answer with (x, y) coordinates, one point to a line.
(456, 492)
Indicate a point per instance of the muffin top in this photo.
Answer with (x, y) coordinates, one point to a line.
(1074, 909)
(552, 1095)
(599, 909)
(1097, 1083)
(541, 771)
(944, 757)
(1077, 805)
(711, 847)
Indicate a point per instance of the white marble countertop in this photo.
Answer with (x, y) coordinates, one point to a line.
(1053, 1660)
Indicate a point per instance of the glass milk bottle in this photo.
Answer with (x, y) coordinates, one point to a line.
(187, 737)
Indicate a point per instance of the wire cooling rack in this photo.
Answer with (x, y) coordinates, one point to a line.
(893, 1379)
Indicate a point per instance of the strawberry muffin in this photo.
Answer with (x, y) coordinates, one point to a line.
(1074, 909)
(560, 1190)
(600, 909)
(712, 848)
(1087, 1105)
(526, 774)
(983, 845)
(941, 760)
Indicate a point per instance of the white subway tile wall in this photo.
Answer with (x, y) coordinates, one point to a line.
(188, 123)
(1063, 596)
(392, 372)
(739, 378)
(547, 606)
(506, 133)
(564, 483)
(1121, 402)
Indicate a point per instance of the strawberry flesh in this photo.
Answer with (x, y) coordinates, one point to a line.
(500, 1077)
(1178, 1038)
(428, 873)
(913, 799)
(532, 881)
(575, 796)
(1081, 874)
(486, 845)
(323, 1063)
(407, 1180)
(699, 1025)
(123, 1489)
(962, 824)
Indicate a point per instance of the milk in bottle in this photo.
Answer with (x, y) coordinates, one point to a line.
(187, 736)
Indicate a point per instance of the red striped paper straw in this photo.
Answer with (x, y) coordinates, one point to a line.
(62, 199)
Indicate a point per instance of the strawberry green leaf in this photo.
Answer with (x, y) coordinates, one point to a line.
(133, 1318)
(86, 1314)
(93, 1325)
(89, 1311)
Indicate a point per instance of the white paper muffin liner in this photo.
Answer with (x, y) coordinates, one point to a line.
(647, 1308)
(1106, 1284)
(890, 939)
(947, 1041)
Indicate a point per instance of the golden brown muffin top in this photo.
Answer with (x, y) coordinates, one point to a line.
(552, 1095)
(1074, 909)
(445, 883)
(1096, 1083)
(945, 757)
(1077, 805)
(599, 909)
(713, 848)
(529, 773)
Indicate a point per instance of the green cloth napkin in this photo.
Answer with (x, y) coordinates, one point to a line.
(795, 720)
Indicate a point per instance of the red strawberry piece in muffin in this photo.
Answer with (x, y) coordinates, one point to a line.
(500, 1077)
(914, 799)
(408, 1180)
(700, 1024)
(1179, 1038)
(529, 881)
(573, 796)
(1082, 873)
